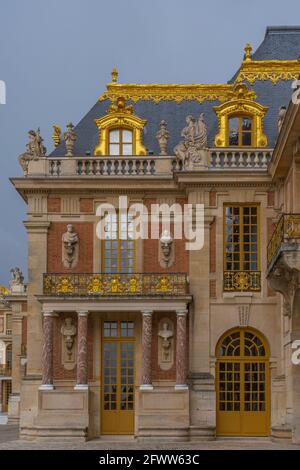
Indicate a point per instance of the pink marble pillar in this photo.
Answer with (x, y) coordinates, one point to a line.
(147, 350)
(47, 351)
(82, 351)
(181, 350)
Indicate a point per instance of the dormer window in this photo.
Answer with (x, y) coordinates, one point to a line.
(120, 142)
(240, 131)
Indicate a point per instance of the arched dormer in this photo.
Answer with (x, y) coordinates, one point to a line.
(240, 120)
(120, 131)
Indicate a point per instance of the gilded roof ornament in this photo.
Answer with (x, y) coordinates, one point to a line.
(114, 75)
(248, 50)
(273, 70)
(56, 135)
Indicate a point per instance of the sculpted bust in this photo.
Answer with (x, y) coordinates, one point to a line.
(68, 330)
(165, 335)
(70, 247)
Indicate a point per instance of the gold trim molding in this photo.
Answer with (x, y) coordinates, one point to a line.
(273, 70)
(167, 92)
(241, 102)
(120, 116)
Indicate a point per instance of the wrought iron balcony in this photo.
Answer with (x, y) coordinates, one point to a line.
(107, 285)
(5, 370)
(242, 281)
(287, 231)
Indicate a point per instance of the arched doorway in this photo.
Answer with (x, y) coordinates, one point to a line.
(243, 389)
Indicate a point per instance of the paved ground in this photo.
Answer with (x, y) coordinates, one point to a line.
(9, 441)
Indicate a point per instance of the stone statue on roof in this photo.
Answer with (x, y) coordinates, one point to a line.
(34, 149)
(281, 115)
(192, 150)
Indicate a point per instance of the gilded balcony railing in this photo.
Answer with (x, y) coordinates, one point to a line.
(5, 370)
(287, 229)
(241, 281)
(127, 284)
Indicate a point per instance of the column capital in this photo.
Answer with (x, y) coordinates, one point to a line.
(83, 313)
(147, 312)
(182, 312)
(48, 313)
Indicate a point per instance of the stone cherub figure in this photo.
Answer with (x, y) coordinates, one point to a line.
(68, 330)
(17, 285)
(166, 243)
(191, 151)
(70, 138)
(163, 136)
(70, 247)
(166, 334)
(281, 115)
(34, 149)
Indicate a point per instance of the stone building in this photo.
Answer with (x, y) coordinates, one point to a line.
(5, 351)
(144, 336)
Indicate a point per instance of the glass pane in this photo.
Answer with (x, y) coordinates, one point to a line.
(246, 124)
(114, 149)
(114, 136)
(246, 138)
(127, 149)
(126, 136)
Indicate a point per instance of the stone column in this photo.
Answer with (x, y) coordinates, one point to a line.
(147, 350)
(181, 350)
(82, 351)
(47, 351)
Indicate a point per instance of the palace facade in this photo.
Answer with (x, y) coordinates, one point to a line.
(144, 337)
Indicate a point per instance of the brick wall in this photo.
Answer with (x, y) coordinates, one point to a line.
(54, 248)
(54, 204)
(86, 205)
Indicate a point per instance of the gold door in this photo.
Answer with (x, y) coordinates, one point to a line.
(118, 371)
(243, 403)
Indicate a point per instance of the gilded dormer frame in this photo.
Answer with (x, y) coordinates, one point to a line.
(241, 102)
(120, 116)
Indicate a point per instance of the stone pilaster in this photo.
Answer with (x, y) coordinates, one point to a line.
(47, 351)
(82, 351)
(181, 350)
(147, 350)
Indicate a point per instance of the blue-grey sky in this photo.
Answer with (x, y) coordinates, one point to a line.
(56, 57)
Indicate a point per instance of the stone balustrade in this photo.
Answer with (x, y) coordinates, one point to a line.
(146, 166)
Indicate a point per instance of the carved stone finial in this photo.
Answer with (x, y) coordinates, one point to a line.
(17, 285)
(166, 243)
(114, 75)
(56, 135)
(70, 247)
(192, 151)
(281, 115)
(248, 50)
(163, 136)
(69, 138)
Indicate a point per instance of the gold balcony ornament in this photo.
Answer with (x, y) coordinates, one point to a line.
(95, 286)
(65, 285)
(120, 116)
(242, 281)
(241, 103)
(56, 136)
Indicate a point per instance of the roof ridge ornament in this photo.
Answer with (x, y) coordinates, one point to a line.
(248, 50)
(114, 75)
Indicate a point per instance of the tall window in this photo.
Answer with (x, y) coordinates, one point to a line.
(118, 245)
(120, 142)
(241, 247)
(240, 131)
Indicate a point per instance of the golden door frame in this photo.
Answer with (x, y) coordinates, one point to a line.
(237, 416)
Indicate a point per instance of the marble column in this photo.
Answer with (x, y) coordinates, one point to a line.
(147, 350)
(47, 351)
(181, 350)
(82, 351)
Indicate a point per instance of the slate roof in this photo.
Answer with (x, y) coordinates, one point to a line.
(281, 43)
